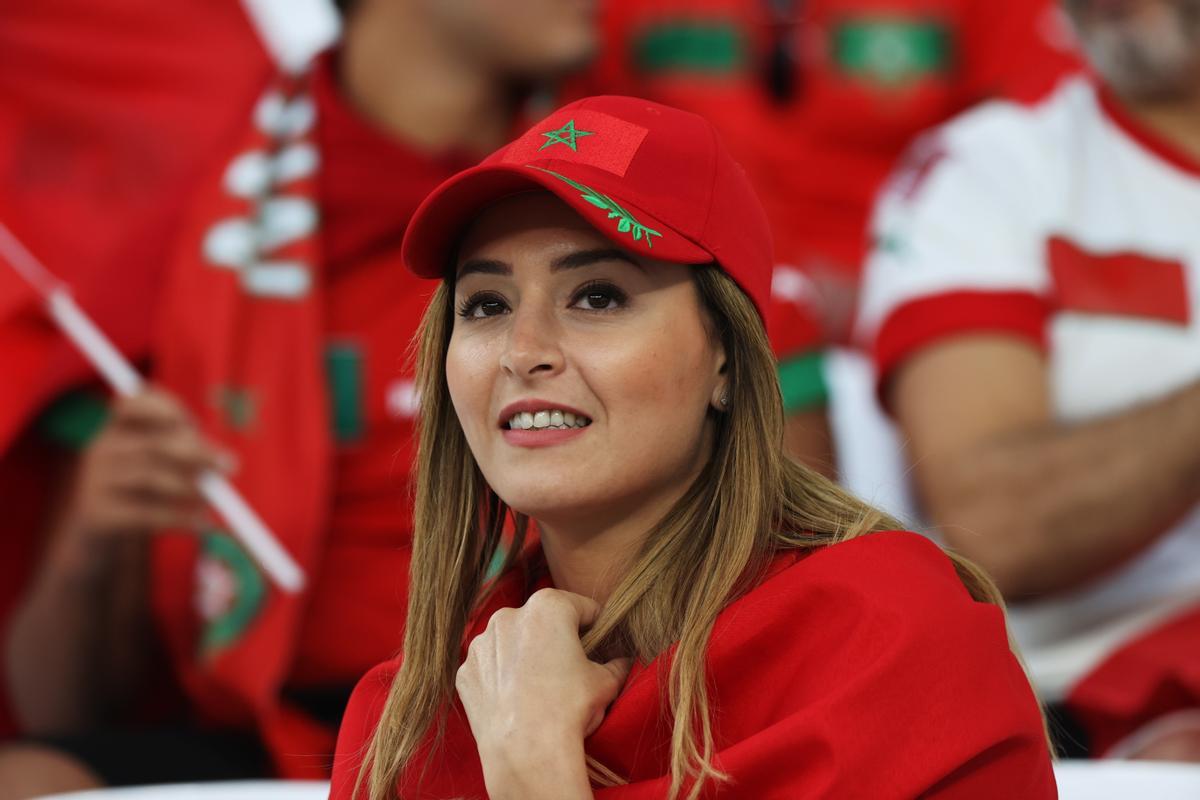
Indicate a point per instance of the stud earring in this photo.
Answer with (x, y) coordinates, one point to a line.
(725, 399)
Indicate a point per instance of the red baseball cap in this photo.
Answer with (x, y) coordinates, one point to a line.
(655, 180)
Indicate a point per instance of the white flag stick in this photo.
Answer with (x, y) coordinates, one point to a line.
(75, 324)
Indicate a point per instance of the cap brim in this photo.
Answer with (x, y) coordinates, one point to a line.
(445, 213)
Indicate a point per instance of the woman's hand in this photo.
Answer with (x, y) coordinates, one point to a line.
(532, 696)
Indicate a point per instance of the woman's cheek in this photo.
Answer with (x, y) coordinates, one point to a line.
(470, 379)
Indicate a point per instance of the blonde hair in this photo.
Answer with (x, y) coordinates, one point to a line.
(749, 502)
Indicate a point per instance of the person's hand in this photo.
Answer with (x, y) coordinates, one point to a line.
(139, 474)
(532, 695)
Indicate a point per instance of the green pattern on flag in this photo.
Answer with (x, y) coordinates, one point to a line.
(802, 381)
(249, 590)
(892, 51)
(690, 46)
(74, 419)
(237, 406)
(344, 373)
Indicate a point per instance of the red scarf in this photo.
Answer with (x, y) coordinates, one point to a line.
(862, 670)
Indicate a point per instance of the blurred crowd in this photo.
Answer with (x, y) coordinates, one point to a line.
(984, 309)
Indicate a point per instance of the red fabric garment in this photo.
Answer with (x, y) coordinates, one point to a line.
(862, 670)
(1143, 680)
(240, 346)
(369, 186)
(818, 158)
(309, 387)
(106, 112)
(111, 122)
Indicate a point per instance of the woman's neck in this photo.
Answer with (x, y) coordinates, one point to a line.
(398, 72)
(589, 553)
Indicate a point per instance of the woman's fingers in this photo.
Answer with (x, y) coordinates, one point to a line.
(528, 675)
(575, 609)
(618, 668)
(611, 677)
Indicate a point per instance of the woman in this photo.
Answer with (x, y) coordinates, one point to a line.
(699, 618)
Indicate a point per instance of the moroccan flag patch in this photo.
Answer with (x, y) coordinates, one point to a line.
(891, 52)
(585, 137)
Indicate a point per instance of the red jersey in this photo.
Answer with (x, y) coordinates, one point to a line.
(861, 670)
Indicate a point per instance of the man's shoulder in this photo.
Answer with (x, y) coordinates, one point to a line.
(1006, 127)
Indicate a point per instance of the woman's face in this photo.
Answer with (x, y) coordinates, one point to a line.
(582, 376)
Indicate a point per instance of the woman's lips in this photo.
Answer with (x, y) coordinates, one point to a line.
(541, 437)
(532, 406)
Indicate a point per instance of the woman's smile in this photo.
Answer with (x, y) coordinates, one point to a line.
(541, 423)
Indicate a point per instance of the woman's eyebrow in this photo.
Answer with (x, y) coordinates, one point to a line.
(485, 266)
(584, 258)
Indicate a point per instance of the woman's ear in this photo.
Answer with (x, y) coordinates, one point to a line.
(720, 396)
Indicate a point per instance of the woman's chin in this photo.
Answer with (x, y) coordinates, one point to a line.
(550, 502)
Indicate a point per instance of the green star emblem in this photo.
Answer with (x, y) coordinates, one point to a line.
(565, 135)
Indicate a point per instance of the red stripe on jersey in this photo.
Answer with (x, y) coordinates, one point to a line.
(1125, 284)
(599, 140)
(1153, 675)
(926, 320)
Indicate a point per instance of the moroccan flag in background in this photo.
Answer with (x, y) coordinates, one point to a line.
(107, 110)
(241, 344)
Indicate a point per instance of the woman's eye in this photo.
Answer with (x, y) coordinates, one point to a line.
(599, 298)
(480, 306)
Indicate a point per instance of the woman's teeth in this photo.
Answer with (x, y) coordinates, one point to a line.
(550, 418)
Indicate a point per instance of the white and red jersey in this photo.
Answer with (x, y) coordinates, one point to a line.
(1064, 224)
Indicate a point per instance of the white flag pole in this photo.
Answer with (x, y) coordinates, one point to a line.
(120, 375)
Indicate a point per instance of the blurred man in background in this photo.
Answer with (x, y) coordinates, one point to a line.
(817, 99)
(278, 341)
(1034, 294)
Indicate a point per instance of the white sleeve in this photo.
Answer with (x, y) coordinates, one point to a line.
(959, 236)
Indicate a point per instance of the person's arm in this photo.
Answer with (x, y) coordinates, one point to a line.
(64, 634)
(75, 644)
(1040, 505)
(807, 437)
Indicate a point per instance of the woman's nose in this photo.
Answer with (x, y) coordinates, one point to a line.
(533, 343)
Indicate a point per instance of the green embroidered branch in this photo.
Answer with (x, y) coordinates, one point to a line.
(626, 223)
